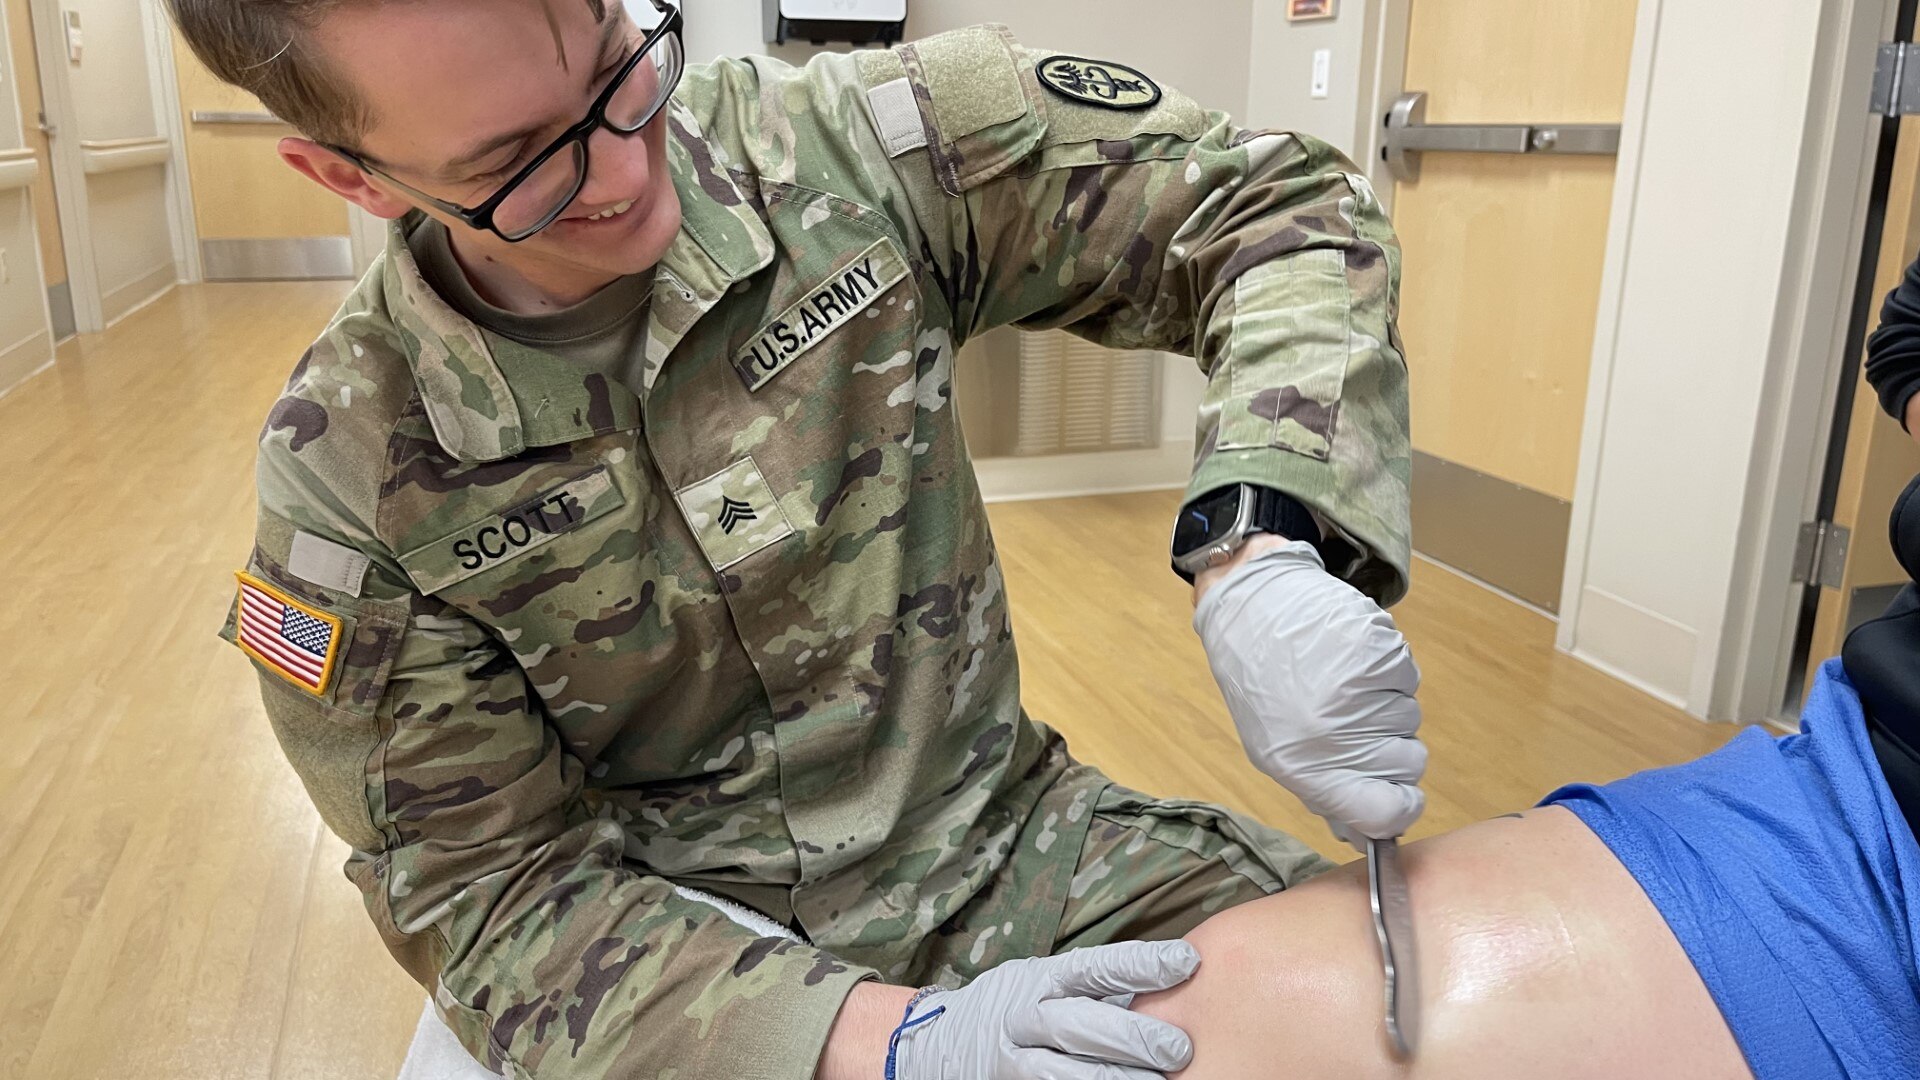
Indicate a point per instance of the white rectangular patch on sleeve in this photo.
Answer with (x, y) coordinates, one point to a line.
(896, 116)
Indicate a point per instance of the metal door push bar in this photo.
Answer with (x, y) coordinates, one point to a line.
(1408, 134)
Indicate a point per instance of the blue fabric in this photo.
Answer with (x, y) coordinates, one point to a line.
(1788, 874)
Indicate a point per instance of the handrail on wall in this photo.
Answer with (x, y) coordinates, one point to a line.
(123, 144)
(206, 117)
(18, 169)
(114, 155)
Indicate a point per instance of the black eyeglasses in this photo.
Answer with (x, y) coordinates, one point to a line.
(537, 194)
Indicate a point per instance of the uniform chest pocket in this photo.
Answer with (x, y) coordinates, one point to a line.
(505, 535)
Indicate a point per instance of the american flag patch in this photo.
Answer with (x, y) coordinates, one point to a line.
(295, 640)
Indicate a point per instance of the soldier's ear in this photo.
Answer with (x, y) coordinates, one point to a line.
(342, 177)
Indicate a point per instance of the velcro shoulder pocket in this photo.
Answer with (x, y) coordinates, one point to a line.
(984, 106)
(980, 104)
(314, 646)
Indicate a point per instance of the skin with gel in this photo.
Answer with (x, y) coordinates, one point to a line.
(1539, 956)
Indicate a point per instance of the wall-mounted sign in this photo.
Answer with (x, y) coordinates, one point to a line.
(1298, 10)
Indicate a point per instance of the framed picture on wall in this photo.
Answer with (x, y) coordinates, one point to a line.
(1298, 10)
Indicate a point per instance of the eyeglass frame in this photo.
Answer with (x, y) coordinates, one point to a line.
(481, 216)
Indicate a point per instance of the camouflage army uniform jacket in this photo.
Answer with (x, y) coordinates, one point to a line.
(741, 627)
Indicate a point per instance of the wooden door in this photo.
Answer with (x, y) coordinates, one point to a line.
(1880, 458)
(46, 209)
(1502, 279)
(255, 217)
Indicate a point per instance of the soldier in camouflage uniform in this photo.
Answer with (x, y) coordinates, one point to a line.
(700, 595)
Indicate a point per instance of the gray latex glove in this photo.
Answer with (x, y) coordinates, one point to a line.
(1321, 686)
(1045, 1019)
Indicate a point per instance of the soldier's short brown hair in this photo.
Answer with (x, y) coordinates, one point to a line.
(266, 47)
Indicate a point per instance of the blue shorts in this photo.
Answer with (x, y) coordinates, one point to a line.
(1786, 871)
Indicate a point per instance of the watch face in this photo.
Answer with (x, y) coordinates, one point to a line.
(1206, 520)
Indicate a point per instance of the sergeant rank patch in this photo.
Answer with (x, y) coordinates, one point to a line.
(1098, 82)
(734, 513)
(296, 641)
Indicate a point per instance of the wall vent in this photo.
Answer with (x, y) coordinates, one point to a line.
(1049, 392)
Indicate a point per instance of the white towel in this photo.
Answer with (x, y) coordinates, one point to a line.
(437, 1055)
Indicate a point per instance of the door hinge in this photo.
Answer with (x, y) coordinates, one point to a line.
(1820, 558)
(1896, 80)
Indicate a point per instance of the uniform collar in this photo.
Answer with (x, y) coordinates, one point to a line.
(722, 239)
(486, 405)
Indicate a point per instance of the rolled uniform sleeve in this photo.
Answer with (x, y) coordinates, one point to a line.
(497, 886)
(1265, 255)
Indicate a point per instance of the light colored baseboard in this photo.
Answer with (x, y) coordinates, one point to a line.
(307, 258)
(1641, 648)
(24, 361)
(137, 294)
(1065, 476)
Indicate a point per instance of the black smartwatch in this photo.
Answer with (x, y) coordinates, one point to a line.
(1212, 527)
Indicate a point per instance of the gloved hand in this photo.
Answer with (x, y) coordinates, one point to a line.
(1044, 1019)
(1320, 684)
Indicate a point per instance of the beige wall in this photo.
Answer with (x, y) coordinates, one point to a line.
(111, 93)
(132, 243)
(1279, 81)
(128, 211)
(22, 305)
(26, 343)
(242, 190)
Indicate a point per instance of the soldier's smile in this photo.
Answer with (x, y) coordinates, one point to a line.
(604, 223)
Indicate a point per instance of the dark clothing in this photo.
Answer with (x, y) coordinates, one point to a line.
(1880, 658)
(1901, 764)
(1893, 352)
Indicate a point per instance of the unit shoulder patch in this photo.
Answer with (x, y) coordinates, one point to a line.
(1098, 82)
(296, 641)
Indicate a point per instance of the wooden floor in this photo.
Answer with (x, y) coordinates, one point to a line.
(170, 906)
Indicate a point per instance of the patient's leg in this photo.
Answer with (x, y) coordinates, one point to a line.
(1539, 957)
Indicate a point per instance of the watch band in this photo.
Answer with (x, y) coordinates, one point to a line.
(1276, 512)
